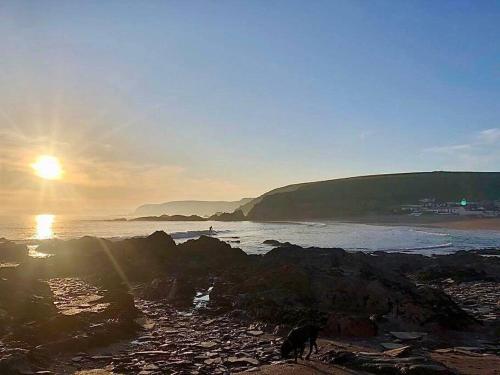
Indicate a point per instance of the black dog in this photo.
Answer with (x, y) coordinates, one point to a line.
(296, 341)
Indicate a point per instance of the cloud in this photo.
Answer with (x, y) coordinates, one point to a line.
(483, 152)
(489, 136)
(366, 134)
(452, 149)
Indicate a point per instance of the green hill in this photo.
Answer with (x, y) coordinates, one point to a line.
(376, 194)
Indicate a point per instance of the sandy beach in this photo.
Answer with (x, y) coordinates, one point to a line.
(435, 221)
(470, 224)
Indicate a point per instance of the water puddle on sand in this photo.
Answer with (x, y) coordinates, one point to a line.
(73, 296)
(9, 265)
(201, 299)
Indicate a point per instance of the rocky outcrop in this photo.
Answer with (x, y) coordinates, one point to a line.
(12, 252)
(292, 282)
(276, 243)
(177, 291)
(237, 215)
(208, 255)
(23, 300)
(170, 218)
(461, 266)
(385, 363)
(110, 261)
(338, 325)
(81, 297)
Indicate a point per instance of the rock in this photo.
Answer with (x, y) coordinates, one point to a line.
(236, 215)
(408, 335)
(208, 254)
(243, 360)
(93, 372)
(378, 363)
(276, 243)
(150, 367)
(207, 344)
(255, 332)
(12, 252)
(391, 345)
(145, 322)
(152, 353)
(179, 291)
(13, 364)
(428, 369)
(350, 326)
(212, 361)
(398, 352)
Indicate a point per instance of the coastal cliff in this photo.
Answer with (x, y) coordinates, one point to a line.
(377, 194)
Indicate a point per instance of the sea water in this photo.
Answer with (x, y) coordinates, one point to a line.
(249, 236)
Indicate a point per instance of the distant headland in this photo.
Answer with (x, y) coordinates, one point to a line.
(190, 207)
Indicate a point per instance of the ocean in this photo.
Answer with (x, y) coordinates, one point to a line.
(249, 236)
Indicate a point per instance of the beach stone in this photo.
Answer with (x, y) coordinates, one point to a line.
(391, 345)
(428, 369)
(207, 344)
(150, 367)
(255, 332)
(408, 335)
(398, 352)
(244, 360)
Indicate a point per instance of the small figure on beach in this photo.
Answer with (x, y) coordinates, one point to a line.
(210, 230)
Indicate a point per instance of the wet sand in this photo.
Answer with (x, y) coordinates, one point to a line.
(433, 221)
(470, 224)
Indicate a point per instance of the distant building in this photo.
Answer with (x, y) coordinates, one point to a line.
(460, 208)
(463, 211)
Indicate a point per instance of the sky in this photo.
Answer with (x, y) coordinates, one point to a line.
(152, 101)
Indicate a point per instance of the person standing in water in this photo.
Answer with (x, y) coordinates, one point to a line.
(210, 230)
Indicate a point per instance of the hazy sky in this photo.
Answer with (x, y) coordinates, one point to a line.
(146, 101)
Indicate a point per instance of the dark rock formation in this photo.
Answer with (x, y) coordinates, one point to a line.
(349, 294)
(289, 282)
(12, 252)
(350, 326)
(170, 218)
(381, 363)
(237, 215)
(277, 243)
(178, 291)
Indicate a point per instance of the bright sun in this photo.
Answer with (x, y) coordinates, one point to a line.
(47, 167)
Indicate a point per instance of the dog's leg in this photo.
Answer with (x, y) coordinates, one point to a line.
(302, 348)
(311, 343)
(316, 346)
(295, 352)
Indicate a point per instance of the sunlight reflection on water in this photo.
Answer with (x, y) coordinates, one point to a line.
(44, 225)
(250, 236)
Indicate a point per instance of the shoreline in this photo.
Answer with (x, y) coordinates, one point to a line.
(450, 222)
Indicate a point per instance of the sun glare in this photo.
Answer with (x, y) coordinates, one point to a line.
(44, 226)
(47, 167)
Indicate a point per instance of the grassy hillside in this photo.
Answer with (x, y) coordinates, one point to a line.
(358, 196)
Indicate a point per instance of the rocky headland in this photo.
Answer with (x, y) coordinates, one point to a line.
(237, 215)
(151, 306)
